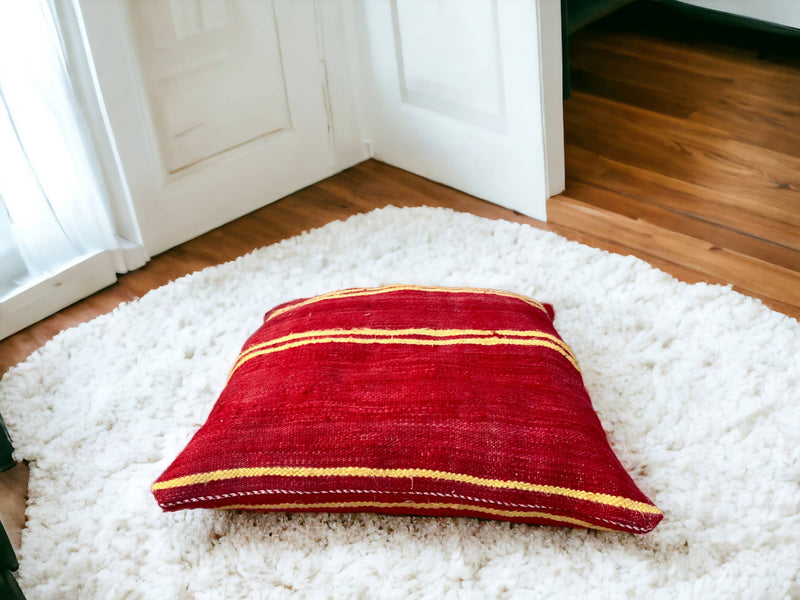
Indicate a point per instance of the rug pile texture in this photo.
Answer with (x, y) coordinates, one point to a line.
(698, 388)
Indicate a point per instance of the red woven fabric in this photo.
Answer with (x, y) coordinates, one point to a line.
(409, 400)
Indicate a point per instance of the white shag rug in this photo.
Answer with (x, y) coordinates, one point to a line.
(697, 386)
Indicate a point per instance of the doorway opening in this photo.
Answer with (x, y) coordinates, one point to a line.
(683, 130)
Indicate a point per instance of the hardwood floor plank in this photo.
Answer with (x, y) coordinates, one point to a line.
(756, 120)
(745, 272)
(651, 212)
(694, 57)
(649, 188)
(765, 180)
(629, 80)
(626, 92)
(372, 180)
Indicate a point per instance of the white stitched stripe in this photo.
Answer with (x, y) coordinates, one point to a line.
(437, 494)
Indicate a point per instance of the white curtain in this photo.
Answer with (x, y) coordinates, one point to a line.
(52, 195)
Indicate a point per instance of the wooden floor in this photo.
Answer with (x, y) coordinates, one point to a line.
(683, 141)
(701, 185)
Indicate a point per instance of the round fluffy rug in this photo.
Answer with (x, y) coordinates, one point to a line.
(697, 386)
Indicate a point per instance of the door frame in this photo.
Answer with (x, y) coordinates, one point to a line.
(552, 82)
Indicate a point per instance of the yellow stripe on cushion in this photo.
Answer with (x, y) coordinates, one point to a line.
(526, 514)
(356, 292)
(481, 341)
(607, 499)
(505, 333)
(411, 331)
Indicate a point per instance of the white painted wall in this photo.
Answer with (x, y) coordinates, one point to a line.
(782, 12)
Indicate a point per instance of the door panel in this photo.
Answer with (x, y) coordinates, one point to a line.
(456, 95)
(448, 60)
(198, 59)
(223, 111)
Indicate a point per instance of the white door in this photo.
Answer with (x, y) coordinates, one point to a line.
(459, 92)
(217, 107)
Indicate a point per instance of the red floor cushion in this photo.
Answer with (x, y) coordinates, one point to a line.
(409, 400)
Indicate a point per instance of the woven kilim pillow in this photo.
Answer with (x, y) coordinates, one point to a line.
(409, 400)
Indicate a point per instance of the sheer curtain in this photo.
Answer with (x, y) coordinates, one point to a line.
(54, 208)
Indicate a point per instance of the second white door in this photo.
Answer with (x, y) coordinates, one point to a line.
(468, 93)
